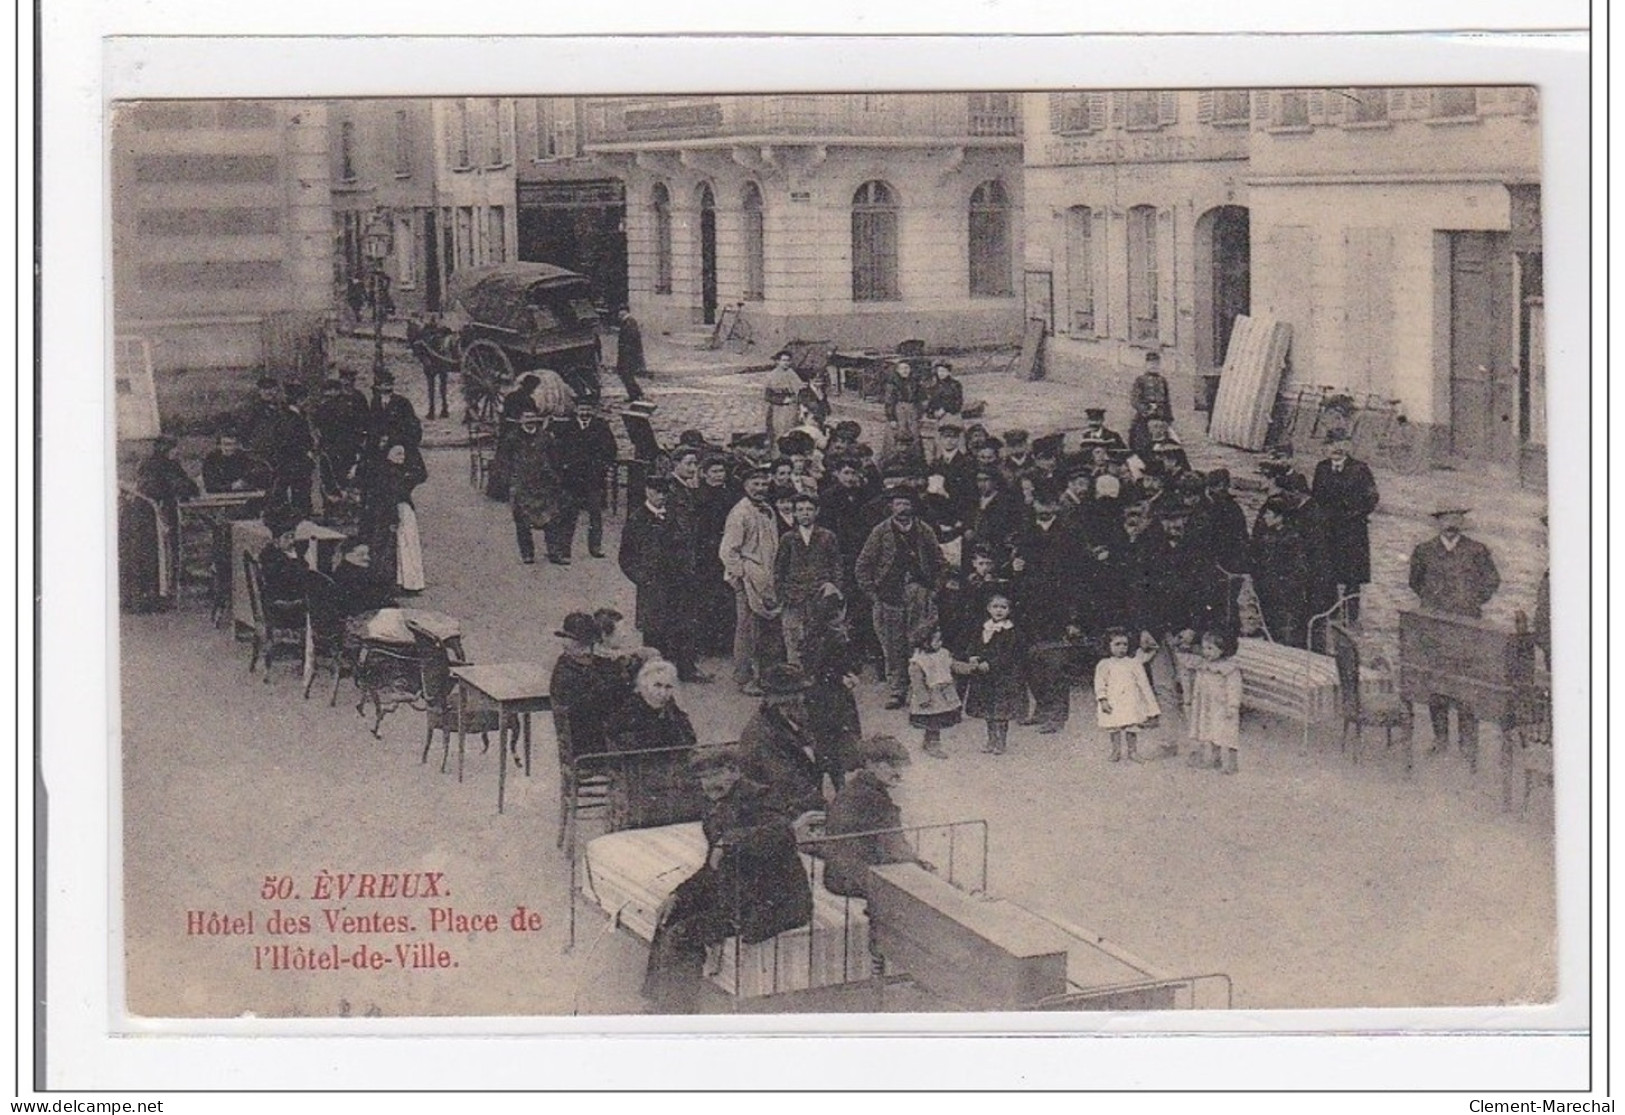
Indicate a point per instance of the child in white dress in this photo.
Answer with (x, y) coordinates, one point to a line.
(1123, 694)
(1215, 706)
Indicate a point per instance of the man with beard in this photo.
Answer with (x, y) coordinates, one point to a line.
(1095, 431)
(749, 550)
(899, 568)
(1455, 575)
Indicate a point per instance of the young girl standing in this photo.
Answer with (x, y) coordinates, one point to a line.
(1123, 694)
(1215, 709)
(933, 698)
(997, 692)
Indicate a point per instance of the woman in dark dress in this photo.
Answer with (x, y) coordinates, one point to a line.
(654, 789)
(150, 530)
(389, 519)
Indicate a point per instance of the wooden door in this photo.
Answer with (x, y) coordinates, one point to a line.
(1483, 355)
(1232, 275)
(708, 257)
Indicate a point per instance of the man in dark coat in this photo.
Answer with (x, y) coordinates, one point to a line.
(900, 568)
(657, 555)
(260, 424)
(533, 490)
(945, 395)
(956, 467)
(1456, 575)
(585, 689)
(778, 749)
(585, 450)
(996, 515)
(1149, 399)
(806, 568)
(1347, 494)
(392, 421)
(1049, 560)
(864, 805)
(629, 359)
(752, 884)
(1095, 431)
(227, 468)
(1278, 559)
(340, 421)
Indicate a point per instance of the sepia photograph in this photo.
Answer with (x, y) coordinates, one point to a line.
(1073, 550)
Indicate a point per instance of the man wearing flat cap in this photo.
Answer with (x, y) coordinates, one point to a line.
(1456, 575)
(749, 553)
(1347, 492)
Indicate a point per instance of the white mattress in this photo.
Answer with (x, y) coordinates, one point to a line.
(629, 874)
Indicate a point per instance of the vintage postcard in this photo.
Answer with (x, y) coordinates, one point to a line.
(1072, 551)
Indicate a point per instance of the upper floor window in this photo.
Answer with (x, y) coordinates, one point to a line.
(1232, 106)
(990, 242)
(1142, 108)
(1366, 106)
(1070, 113)
(1458, 103)
(992, 114)
(457, 134)
(496, 153)
(555, 128)
(874, 244)
(403, 143)
(1292, 108)
(1080, 268)
(875, 102)
(347, 151)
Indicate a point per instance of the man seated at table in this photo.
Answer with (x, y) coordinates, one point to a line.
(226, 468)
(283, 571)
(752, 884)
(355, 588)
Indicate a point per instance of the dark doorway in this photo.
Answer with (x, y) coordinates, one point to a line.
(1232, 274)
(1483, 362)
(581, 226)
(432, 280)
(708, 256)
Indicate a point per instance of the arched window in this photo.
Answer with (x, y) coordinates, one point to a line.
(755, 245)
(662, 208)
(874, 244)
(1080, 269)
(990, 242)
(1142, 274)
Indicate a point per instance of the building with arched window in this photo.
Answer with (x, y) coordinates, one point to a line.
(863, 220)
(1396, 231)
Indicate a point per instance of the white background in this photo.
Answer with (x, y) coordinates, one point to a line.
(81, 71)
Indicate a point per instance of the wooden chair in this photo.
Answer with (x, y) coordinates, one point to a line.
(578, 791)
(436, 657)
(1356, 709)
(327, 635)
(277, 624)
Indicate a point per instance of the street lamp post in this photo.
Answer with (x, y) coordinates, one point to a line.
(377, 243)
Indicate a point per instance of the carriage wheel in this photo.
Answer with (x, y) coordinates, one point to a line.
(485, 368)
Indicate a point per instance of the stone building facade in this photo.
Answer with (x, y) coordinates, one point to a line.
(1396, 230)
(860, 219)
(438, 175)
(221, 219)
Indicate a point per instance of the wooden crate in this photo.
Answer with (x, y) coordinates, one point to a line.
(977, 953)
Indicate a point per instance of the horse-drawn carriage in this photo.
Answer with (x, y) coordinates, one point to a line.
(512, 318)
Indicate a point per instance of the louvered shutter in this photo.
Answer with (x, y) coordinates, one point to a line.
(1317, 106)
(1204, 106)
(1261, 105)
(1097, 112)
(1166, 306)
(1119, 107)
(506, 112)
(1167, 108)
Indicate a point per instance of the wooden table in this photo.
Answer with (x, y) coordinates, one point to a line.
(517, 688)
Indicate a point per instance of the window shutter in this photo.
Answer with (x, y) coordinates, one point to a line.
(1100, 243)
(1166, 307)
(507, 113)
(1097, 112)
(1204, 106)
(1057, 112)
(1317, 106)
(1119, 107)
(1167, 108)
(1262, 104)
(1337, 102)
